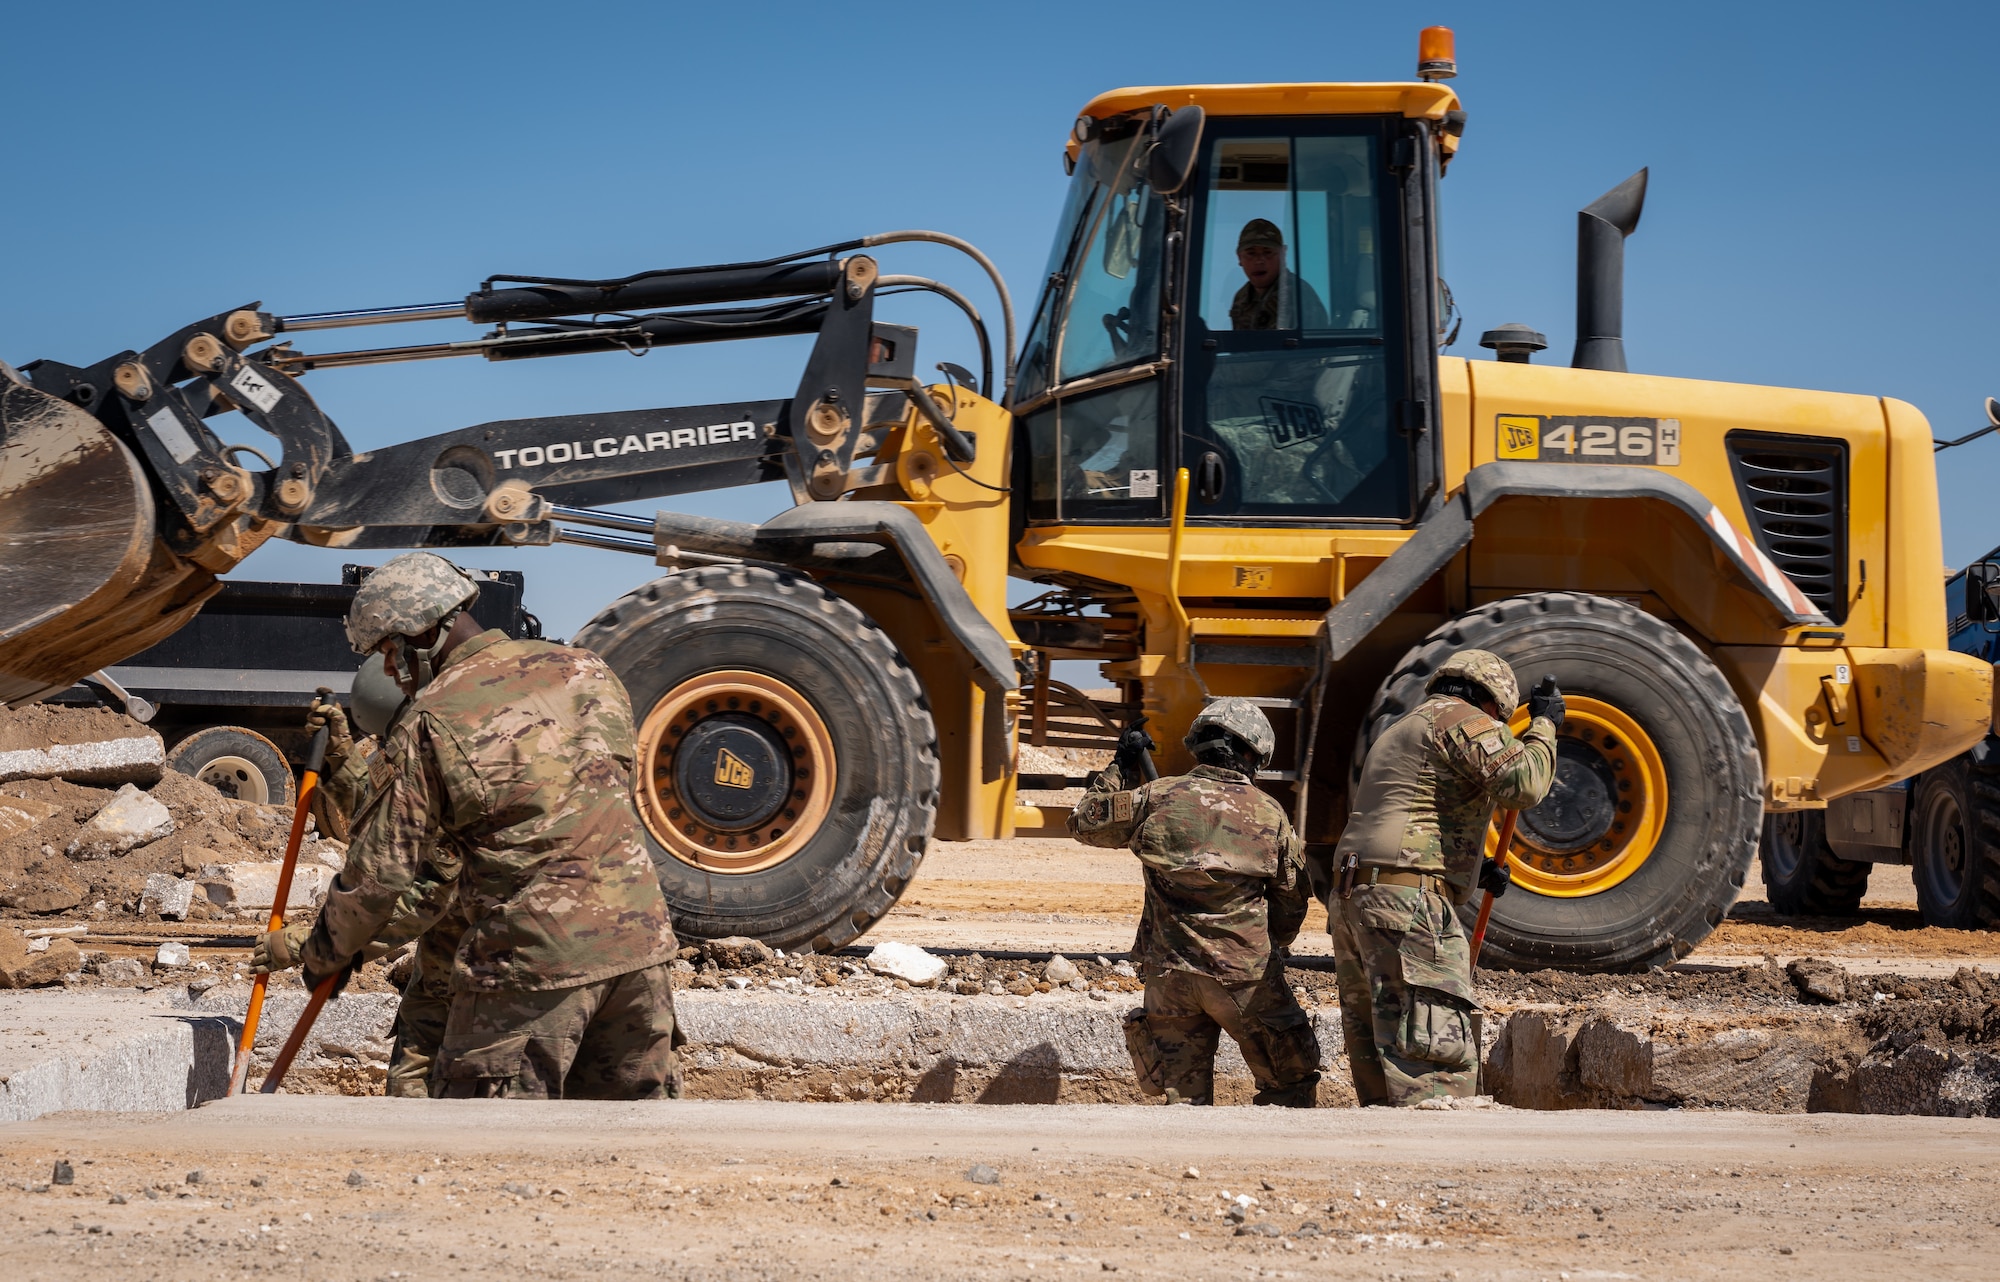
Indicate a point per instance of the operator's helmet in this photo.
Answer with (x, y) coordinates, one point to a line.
(1241, 720)
(407, 597)
(374, 698)
(1486, 670)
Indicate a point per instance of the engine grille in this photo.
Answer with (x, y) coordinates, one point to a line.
(1794, 490)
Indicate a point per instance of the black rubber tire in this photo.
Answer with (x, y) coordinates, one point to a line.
(1802, 875)
(1955, 844)
(886, 792)
(1626, 657)
(240, 763)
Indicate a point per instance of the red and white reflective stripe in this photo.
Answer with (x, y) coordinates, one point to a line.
(1754, 560)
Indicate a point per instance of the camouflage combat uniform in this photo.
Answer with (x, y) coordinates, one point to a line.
(1425, 802)
(1225, 895)
(509, 784)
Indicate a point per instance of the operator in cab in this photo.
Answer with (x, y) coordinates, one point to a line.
(516, 758)
(1414, 849)
(1225, 897)
(1272, 293)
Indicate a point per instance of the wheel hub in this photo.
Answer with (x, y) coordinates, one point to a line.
(736, 771)
(733, 771)
(1605, 812)
(236, 777)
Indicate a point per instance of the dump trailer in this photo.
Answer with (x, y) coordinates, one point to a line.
(228, 693)
(1943, 823)
(1229, 449)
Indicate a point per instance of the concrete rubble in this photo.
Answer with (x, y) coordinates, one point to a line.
(166, 896)
(255, 885)
(131, 818)
(906, 962)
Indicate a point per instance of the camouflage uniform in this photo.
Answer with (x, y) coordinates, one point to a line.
(1426, 800)
(509, 783)
(1225, 894)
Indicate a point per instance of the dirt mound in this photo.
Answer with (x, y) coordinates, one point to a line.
(45, 725)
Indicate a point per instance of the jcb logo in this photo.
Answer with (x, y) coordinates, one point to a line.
(731, 771)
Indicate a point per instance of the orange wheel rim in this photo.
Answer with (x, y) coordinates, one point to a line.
(1619, 751)
(677, 822)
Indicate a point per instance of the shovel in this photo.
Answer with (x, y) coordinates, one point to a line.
(308, 785)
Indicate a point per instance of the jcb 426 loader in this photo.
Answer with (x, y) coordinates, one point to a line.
(1230, 449)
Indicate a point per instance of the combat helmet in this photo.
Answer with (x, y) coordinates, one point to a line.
(407, 598)
(374, 698)
(1485, 669)
(1240, 719)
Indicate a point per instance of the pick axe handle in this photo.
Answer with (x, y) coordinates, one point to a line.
(280, 1066)
(1500, 849)
(308, 785)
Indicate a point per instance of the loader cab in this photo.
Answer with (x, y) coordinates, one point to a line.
(1270, 325)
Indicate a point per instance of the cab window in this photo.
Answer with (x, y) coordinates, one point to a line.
(1293, 366)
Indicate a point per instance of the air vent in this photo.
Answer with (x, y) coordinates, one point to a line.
(1794, 490)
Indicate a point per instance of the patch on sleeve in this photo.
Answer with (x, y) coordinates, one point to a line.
(1121, 807)
(1492, 741)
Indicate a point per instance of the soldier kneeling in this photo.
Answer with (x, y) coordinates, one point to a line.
(1225, 896)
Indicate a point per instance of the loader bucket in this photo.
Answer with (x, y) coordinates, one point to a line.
(84, 581)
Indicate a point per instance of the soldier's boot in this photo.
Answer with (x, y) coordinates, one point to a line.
(1186, 1046)
(420, 1021)
(1413, 1082)
(1298, 1095)
(1146, 1065)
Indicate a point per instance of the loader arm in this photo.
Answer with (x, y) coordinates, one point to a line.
(128, 441)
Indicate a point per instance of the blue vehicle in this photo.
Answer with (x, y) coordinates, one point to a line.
(1944, 823)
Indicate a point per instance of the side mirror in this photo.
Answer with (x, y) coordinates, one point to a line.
(1175, 143)
(1982, 592)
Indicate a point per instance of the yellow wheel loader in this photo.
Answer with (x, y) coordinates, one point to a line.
(1229, 449)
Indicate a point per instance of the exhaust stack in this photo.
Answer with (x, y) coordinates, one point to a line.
(1601, 229)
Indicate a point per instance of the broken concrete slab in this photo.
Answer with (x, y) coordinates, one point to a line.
(107, 1052)
(255, 885)
(124, 972)
(131, 756)
(24, 966)
(129, 819)
(167, 896)
(1818, 980)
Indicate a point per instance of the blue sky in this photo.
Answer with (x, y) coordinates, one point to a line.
(1823, 184)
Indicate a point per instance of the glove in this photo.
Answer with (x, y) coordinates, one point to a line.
(1546, 700)
(1134, 745)
(1494, 877)
(339, 739)
(278, 949)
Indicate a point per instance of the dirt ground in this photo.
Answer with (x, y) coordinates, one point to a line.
(707, 1191)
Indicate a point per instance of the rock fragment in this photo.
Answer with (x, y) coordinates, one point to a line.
(128, 759)
(905, 962)
(737, 952)
(19, 814)
(980, 1173)
(166, 895)
(24, 967)
(64, 1172)
(122, 972)
(172, 953)
(1818, 980)
(1060, 970)
(129, 819)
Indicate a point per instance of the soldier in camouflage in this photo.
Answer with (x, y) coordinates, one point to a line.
(1414, 849)
(1225, 896)
(508, 794)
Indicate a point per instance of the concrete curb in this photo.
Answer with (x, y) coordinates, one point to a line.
(130, 1054)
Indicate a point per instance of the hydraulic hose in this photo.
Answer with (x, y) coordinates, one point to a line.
(971, 251)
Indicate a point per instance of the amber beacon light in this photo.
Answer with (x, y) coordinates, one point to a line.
(1437, 56)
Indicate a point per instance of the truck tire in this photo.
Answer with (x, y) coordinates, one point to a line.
(1802, 875)
(237, 763)
(1608, 876)
(1955, 845)
(787, 773)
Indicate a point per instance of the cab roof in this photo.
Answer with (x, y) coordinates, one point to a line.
(1414, 99)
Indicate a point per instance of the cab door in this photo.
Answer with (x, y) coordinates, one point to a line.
(1301, 392)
